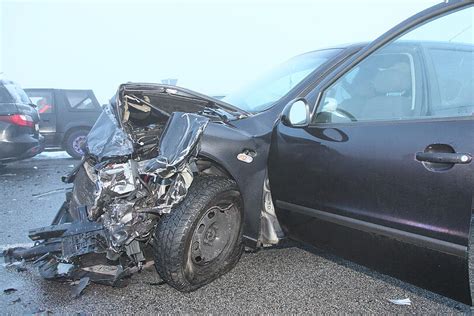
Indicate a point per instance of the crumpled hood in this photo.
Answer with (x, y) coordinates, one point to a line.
(140, 160)
(107, 138)
(200, 103)
(137, 114)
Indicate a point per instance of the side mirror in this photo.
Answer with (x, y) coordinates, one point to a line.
(296, 114)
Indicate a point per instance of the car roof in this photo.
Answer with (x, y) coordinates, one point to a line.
(443, 44)
(355, 46)
(5, 81)
(55, 89)
(359, 45)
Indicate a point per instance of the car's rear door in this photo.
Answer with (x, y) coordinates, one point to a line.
(383, 174)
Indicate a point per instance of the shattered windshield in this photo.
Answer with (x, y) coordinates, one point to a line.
(260, 94)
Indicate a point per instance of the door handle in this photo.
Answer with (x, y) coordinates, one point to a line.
(440, 157)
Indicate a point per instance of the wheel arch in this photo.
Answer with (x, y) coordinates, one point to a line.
(251, 191)
(210, 165)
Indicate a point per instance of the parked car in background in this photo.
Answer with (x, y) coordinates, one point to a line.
(66, 117)
(19, 124)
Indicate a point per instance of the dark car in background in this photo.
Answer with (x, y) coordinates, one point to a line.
(19, 124)
(66, 117)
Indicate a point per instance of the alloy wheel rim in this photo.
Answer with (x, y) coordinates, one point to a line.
(77, 144)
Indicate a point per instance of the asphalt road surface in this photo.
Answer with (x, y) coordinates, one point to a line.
(288, 279)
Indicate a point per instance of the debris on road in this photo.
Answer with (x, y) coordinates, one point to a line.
(79, 288)
(55, 191)
(404, 301)
(64, 268)
(17, 300)
(40, 312)
(157, 283)
(9, 290)
(20, 266)
(46, 155)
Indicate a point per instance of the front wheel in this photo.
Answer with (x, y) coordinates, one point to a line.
(201, 239)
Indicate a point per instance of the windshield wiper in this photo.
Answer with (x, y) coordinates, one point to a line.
(215, 112)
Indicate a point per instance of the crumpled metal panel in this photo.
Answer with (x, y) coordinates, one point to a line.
(176, 192)
(117, 201)
(107, 138)
(178, 142)
(118, 178)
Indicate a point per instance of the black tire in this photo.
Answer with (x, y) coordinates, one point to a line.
(188, 268)
(72, 141)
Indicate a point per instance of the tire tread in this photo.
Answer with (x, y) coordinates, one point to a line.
(169, 240)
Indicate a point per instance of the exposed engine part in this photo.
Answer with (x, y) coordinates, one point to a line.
(119, 178)
(137, 194)
(106, 222)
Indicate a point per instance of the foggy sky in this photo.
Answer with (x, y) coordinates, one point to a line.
(210, 46)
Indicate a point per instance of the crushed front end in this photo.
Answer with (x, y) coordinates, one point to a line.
(139, 163)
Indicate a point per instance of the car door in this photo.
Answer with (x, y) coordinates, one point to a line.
(382, 173)
(46, 105)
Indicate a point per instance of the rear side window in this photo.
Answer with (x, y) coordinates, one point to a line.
(4, 95)
(80, 100)
(455, 81)
(17, 93)
(43, 101)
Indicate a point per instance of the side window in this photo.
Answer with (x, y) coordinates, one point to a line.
(17, 93)
(43, 101)
(4, 95)
(453, 87)
(397, 82)
(80, 100)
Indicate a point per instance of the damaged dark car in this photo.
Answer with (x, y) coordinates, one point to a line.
(173, 176)
(363, 150)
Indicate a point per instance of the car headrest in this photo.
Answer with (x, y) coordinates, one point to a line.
(361, 85)
(394, 79)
